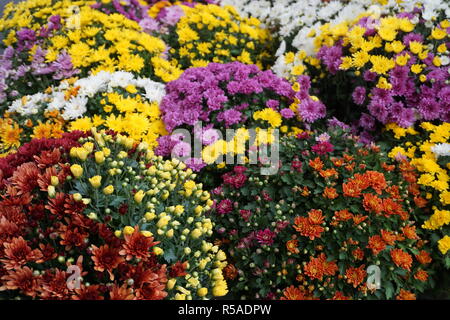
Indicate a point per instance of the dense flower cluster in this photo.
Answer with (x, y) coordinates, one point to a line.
(223, 95)
(85, 43)
(118, 101)
(129, 229)
(333, 210)
(428, 149)
(209, 33)
(395, 69)
(297, 23)
(230, 96)
(152, 16)
(184, 149)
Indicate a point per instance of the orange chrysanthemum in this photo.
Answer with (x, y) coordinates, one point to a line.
(387, 167)
(394, 192)
(304, 226)
(17, 253)
(377, 180)
(351, 189)
(355, 276)
(25, 178)
(316, 164)
(137, 245)
(340, 296)
(361, 181)
(358, 254)
(391, 207)
(376, 244)
(372, 203)
(350, 167)
(338, 162)
(330, 193)
(359, 218)
(318, 267)
(23, 280)
(314, 269)
(420, 202)
(421, 275)
(106, 258)
(401, 259)
(315, 216)
(410, 232)
(424, 257)
(348, 158)
(292, 246)
(406, 295)
(343, 215)
(293, 293)
(230, 272)
(328, 173)
(389, 237)
(121, 293)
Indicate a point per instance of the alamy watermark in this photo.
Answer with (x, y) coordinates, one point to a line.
(74, 280)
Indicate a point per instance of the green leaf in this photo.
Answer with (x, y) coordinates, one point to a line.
(169, 255)
(389, 290)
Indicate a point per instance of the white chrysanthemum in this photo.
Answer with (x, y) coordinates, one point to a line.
(441, 149)
(155, 92)
(121, 79)
(27, 105)
(91, 85)
(57, 102)
(72, 104)
(75, 108)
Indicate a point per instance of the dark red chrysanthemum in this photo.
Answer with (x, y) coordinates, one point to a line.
(121, 293)
(48, 158)
(54, 285)
(56, 204)
(106, 258)
(8, 229)
(25, 177)
(73, 207)
(91, 292)
(178, 269)
(137, 245)
(72, 237)
(21, 279)
(154, 288)
(17, 253)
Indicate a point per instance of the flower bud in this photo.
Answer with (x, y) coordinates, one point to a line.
(99, 157)
(108, 190)
(54, 181)
(171, 284)
(51, 191)
(76, 170)
(146, 234)
(202, 292)
(138, 196)
(95, 181)
(92, 216)
(128, 230)
(196, 233)
(77, 197)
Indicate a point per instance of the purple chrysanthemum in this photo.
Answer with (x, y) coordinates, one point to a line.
(311, 110)
(359, 95)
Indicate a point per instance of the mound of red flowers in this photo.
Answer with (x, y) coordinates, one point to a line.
(47, 246)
